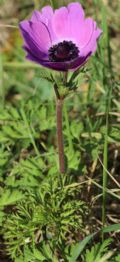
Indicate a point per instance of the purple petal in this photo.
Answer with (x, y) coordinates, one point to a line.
(47, 28)
(69, 24)
(36, 17)
(82, 30)
(31, 46)
(76, 9)
(76, 19)
(84, 33)
(40, 55)
(76, 14)
(36, 37)
(66, 21)
(45, 16)
(80, 61)
(92, 44)
(47, 12)
(60, 23)
(61, 66)
(38, 34)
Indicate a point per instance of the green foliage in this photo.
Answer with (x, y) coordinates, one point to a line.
(99, 252)
(50, 213)
(38, 255)
(117, 258)
(4, 158)
(8, 197)
(114, 227)
(77, 249)
(29, 171)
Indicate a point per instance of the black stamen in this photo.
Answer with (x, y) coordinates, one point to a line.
(63, 52)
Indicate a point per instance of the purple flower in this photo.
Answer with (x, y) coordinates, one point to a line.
(62, 39)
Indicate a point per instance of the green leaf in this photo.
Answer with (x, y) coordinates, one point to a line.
(78, 248)
(117, 259)
(47, 251)
(99, 252)
(38, 255)
(9, 197)
(29, 172)
(76, 129)
(4, 156)
(111, 228)
(2, 214)
(19, 259)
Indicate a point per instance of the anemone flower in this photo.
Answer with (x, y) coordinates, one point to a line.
(62, 39)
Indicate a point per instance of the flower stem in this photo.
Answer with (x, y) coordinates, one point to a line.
(59, 107)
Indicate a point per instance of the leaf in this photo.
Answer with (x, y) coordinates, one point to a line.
(73, 159)
(47, 251)
(45, 74)
(2, 214)
(29, 172)
(76, 129)
(9, 197)
(4, 156)
(19, 259)
(38, 255)
(117, 259)
(99, 252)
(111, 228)
(106, 256)
(78, 248)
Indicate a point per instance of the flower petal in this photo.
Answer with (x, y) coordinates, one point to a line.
(69, 24)
(29, 43)
(44, 16)
(84, 33)
(47, 12)
(76, 12)
(40, 55)
(76, 19)
(36, 16)
(80, 61)
(92, 44)
(60, 23)
(36, 37)
(60, 66)
(47, 28)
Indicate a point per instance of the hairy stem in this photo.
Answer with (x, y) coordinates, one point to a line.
(59, 107)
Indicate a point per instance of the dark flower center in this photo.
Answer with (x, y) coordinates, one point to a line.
(63, 51)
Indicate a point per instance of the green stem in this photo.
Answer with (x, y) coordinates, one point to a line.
(36, 4)
(29, 132)
(1, 82)
(105, 160)
(53, 4)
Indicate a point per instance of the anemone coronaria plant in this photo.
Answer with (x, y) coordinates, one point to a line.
(62, 40)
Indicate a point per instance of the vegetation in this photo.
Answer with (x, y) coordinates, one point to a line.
(46, 216)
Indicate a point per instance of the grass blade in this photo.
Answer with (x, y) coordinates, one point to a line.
(1, 82)
(105, 159)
